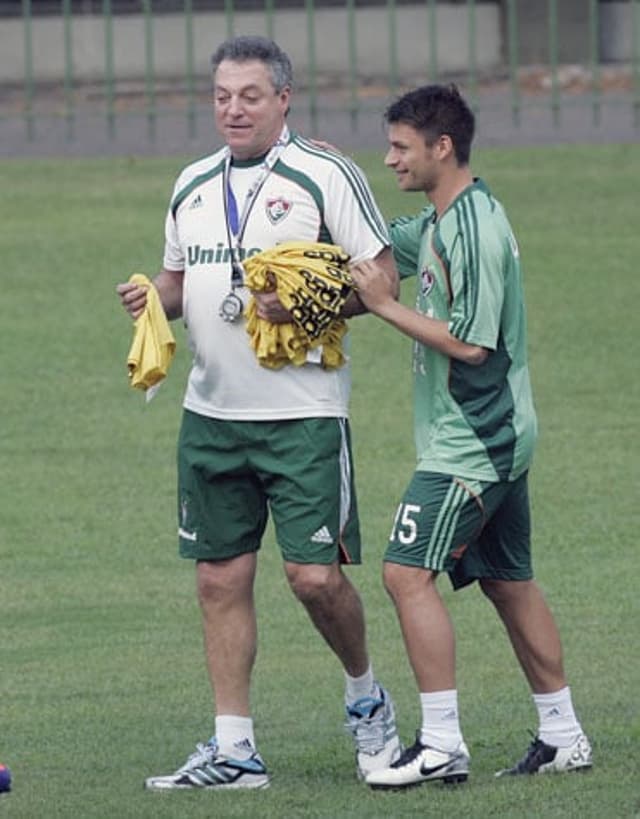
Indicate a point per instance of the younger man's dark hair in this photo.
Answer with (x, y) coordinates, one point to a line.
(435, 110)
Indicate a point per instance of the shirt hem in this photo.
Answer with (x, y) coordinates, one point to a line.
(489, 476)
(280, 414)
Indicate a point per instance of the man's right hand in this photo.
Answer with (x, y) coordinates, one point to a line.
(133, 298)
(270, 308)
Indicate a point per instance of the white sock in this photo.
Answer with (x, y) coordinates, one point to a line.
(558, 725)
(358, 687)
(440, 723)
(235, 736)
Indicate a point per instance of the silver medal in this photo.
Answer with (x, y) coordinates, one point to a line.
(231, 307)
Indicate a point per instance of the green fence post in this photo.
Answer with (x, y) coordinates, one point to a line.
(270, 15)
(28, 70)
(432, 34)
(190, 68)
(473, 54)
(149, 70)
(354, 108)
(312, 66)
(553, 60)
(69, 113)
(514, 60)
(228, 11)
(109, 82)
(594, 36)
(635, 51)
(393, 47)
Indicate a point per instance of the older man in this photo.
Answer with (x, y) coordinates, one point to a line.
(253, 439)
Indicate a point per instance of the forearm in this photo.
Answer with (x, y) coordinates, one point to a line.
(354, 306)
(169, 284)
(431, 332)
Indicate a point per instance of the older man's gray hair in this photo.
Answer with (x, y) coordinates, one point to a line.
(244, 48)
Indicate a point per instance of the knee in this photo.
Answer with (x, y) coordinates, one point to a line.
(391, 579)
(314, 584)
(402, 582)
(501, 592)
(490, 588)
(208, 582)
(222, 582)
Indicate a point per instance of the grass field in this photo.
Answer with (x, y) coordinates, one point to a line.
(102, 678)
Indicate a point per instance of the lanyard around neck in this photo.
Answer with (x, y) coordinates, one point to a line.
(237, 222)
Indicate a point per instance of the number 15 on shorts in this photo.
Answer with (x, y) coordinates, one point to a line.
(405, 526)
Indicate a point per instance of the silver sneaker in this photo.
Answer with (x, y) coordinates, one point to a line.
(372, 722)
(543, 758)
(208, 768)
(421, 763)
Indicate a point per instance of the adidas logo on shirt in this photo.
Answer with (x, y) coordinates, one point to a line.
(323, 535)
(197, 203)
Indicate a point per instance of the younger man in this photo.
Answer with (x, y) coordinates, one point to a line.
(466, 509)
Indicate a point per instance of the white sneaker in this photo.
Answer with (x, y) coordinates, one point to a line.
(208, 768)
(543, 758)
(421, 763)
(372, 722)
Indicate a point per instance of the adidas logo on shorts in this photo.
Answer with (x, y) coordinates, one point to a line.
(323, 535)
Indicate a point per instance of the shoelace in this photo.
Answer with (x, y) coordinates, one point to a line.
(205, 752)
(410, 753)
(369, 730)
(534, 753)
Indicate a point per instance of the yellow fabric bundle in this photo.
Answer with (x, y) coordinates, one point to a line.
(153, 344)
(313, 282)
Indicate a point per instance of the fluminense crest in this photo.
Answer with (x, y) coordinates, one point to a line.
(277, 209)
(427, 280)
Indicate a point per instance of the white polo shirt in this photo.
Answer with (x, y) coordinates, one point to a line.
(309, 195)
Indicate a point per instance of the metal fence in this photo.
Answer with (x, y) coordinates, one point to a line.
(118, 74)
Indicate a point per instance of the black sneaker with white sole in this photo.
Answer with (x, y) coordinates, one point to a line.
(543, 758)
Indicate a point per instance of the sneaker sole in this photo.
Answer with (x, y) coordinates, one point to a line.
(450, 780)
(578, 769)
(231, 786)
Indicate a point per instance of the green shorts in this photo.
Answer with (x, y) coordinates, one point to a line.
(232, 473)
(470, 529)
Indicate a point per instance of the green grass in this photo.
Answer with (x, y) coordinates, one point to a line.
(102, 677)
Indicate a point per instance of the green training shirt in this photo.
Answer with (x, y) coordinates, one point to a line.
(471, 421)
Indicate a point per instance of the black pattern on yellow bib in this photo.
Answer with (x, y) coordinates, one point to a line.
(313, 282)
